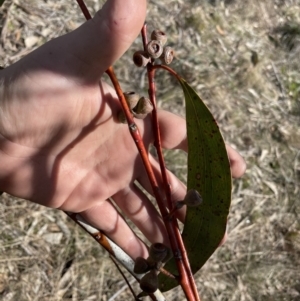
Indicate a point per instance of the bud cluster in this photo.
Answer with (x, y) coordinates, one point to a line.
(155, 49)
(158, 254)
(139, 106)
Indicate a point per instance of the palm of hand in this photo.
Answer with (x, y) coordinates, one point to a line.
(74, 154)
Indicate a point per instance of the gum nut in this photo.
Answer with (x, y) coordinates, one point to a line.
(141, 265)
(167, 55)
(159, 36)
(141, 58)
(158, 252)
(149, 282)
(144, 106)
(154, 49)
(132, 98)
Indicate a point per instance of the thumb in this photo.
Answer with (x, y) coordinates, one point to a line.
(88, 51)
(102, 40)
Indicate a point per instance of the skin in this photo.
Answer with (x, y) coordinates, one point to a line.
(60, 142)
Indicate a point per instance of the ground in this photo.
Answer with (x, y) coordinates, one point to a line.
(243, 58)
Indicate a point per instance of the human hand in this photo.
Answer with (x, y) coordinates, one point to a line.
(60, 143)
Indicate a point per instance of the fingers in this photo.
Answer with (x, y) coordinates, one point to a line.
(102, 40)
(136, 206)
(105, 217)
(237, 163)
(172, 130)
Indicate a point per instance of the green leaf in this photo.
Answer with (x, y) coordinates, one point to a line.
(1, 2)
(209, 173)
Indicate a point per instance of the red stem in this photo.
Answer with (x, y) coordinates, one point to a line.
(144, 35)
(191, 288)
(134, 131)
(157, 141)
(170, 70)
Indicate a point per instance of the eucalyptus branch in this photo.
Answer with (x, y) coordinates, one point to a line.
(189, 285)
(186, 279)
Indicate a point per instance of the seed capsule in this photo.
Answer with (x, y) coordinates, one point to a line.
(132, 98)
(158, 252)
(193, 198)
(159, 36)
(141, 58)
(144, 106)
(153, 264)
(141, 265)
(167, 55)
(149, 282)
(154, 49)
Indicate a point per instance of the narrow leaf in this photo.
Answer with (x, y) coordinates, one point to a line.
(208, 173)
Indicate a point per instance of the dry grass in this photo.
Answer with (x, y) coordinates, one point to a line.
(44, 256)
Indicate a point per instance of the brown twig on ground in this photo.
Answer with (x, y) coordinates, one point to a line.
(84, 9)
